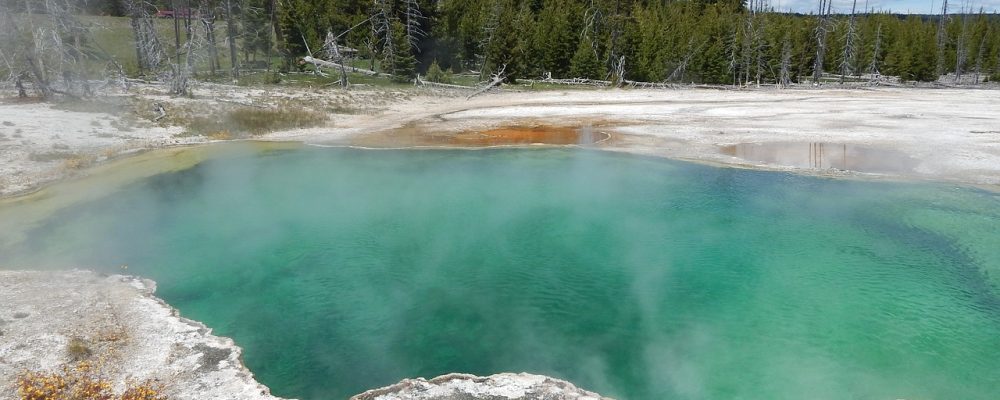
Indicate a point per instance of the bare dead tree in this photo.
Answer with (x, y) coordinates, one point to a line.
(371, 44)
(496, 79)
(749, 42)
(489, 32)
(149, 51)
(382, 28)
(231, 38)
(875, 77)
(618, 71)
(207, 16)
(332, 52)
(961, 50)
(12, 48)
(942, 37)
(593, 18)
(413, 17)
(615, 60)
(182, 72)
(177, 32)
(822, 29)
(330, 64)
(850, 53)
(65, 26)
(47, 49)
(734, 65)
(982, 50)
(760, 44)
(785, 79)
(331, 49)
(681, 69)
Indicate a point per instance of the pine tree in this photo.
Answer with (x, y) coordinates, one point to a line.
(436, 74)
(585, 63)
(557, 34)
(257, 30)
(402, 65)
(506, 48)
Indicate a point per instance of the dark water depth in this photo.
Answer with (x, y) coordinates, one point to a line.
(340, 270)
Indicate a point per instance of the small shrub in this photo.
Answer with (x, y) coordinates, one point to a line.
(144, 391)
(77, 349)
(435, 74)
(81, 382)
(8, 123)
(221, 135)
(78, 161)
(69, 384)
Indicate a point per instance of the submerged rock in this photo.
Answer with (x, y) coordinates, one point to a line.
(506, 386)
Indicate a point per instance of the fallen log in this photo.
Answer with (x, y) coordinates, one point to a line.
(498, 78)
(328, 64)
(438, 84)
(572, 81)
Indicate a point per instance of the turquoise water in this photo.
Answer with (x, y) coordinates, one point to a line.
(340, 270)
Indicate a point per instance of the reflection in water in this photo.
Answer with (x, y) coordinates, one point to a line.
(825, 156)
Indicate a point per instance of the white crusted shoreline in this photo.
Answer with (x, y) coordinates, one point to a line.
(954, 134)
(464, 386)
(134, 336)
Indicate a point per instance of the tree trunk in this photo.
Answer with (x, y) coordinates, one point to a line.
(847, 65)
(942, 38)
(231, 31)
(821, 31)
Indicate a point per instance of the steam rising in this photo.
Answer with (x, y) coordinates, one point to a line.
(340, 270)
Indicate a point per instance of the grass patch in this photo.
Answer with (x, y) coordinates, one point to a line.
(50, 156)
(252, 121)
(99, 105)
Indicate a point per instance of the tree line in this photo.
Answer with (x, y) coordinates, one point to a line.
(719, 42)
(616, 41)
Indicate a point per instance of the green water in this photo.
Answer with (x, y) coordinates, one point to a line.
(340, 270)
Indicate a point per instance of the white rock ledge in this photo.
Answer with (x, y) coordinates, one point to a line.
(506, 386)
(133, 335)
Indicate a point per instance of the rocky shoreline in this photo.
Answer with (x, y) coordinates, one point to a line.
(506, 386)
(130, 335)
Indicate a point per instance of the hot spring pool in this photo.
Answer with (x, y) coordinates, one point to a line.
(339, 270)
